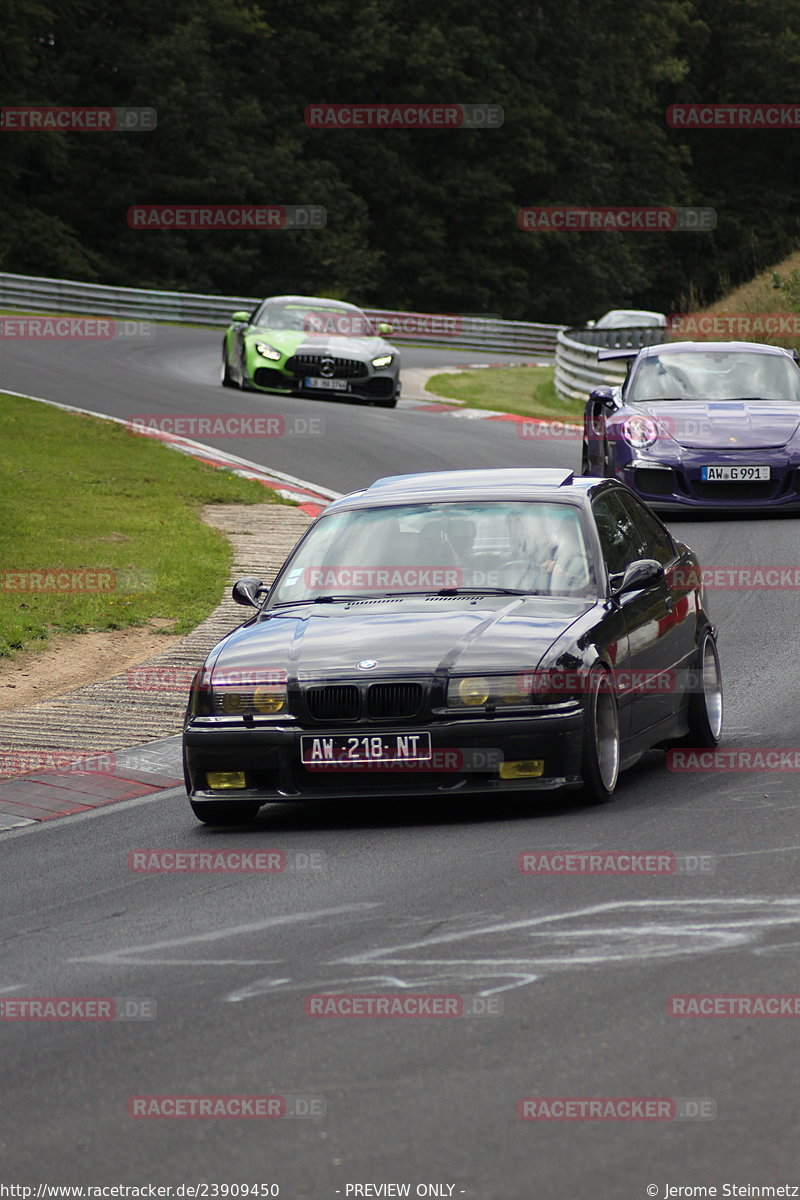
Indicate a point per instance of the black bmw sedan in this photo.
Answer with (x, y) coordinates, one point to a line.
(460, 632)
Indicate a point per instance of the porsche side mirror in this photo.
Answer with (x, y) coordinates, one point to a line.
(638, 575)
(241, 316)
(247, 590)
(385, 327)
(603, 395)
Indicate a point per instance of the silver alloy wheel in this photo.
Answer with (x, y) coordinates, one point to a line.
(606, 735)
(712, 687)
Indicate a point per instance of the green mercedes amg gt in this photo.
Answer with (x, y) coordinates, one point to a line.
(306, 346)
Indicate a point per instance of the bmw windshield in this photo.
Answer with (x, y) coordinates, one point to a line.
(524, 547)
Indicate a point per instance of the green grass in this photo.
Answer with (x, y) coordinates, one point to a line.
(526, 390)
(79, 492)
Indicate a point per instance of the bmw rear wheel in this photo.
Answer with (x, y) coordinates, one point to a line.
(601, 754)
(705, 700)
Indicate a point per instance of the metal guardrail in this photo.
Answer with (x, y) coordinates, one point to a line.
(29, 293)
(577, 369)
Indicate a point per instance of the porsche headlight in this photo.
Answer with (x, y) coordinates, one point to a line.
(477, 691)
(384, 360)
(267, 351)
(639, 432)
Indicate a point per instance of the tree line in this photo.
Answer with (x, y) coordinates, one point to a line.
(416, 219)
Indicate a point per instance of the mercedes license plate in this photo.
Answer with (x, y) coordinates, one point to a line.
(328, 385)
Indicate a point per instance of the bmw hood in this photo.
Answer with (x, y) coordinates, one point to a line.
(726, 424)
(402, 637)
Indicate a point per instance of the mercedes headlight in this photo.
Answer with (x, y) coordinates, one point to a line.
(267, 351)
(384, 360)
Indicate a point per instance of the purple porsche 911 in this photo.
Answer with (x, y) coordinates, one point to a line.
(700, 425)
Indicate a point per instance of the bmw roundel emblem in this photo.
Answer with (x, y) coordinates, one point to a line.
(367, 664)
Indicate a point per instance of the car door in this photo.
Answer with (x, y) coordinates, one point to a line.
(644, 682)
(679, 622)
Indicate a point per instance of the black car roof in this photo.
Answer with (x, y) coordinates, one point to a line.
(505, 483)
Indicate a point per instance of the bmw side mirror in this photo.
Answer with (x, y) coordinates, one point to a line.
(603, 395)
(638, 575)
(241, 316)
(247, 591)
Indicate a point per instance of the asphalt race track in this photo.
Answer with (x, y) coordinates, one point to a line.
(419, 897)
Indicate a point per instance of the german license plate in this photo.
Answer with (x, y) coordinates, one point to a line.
(343, 748)
(741, 474)
(328, 385)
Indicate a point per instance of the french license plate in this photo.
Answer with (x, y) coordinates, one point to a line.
(741, 474)
(343, 748)
(328, 385)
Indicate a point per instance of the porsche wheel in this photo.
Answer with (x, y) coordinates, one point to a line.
(230, 812)
(600, 761)
(705, 701)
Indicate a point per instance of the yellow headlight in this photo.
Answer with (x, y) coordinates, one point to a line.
(219, 780)
(474, 691)
(268, 700)
(522, 768)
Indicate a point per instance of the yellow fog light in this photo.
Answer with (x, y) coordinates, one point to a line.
(473, 691)
(268, 700)
(522, 768)
(219, 780)
(232, 702)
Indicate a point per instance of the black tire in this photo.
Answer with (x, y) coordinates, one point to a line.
(585, 459)
(226, 379)
(705, 706)
(228, 812)
(601, 752)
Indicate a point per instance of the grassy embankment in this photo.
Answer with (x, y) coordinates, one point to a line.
(86, 494)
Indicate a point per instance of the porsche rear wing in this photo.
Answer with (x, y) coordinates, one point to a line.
(604, 353)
